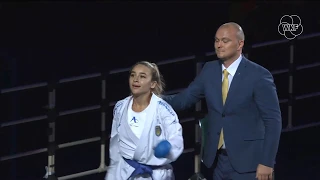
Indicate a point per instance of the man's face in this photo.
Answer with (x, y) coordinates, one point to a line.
(227, 44)
(140, 80)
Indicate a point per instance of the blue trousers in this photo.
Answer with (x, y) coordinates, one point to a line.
(225, 171)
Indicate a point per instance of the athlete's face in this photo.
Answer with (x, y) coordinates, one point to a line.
(140, 80)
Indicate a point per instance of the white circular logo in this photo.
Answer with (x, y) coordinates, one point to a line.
(290, 26)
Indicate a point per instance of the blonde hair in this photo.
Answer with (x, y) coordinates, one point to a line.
(156, 76)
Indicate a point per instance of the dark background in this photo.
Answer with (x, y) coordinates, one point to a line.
(47, 41)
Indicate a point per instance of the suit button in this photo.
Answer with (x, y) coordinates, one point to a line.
(223, 115)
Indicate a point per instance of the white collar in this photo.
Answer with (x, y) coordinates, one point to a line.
(233, 67)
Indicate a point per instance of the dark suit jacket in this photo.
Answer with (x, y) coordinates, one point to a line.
(251, 117)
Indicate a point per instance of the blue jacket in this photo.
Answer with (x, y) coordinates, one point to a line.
(251, 117)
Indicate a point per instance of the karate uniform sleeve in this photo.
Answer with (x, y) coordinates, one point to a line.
(173, 131)
(114, 155)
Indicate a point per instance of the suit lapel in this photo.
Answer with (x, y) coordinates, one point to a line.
(236, 81)
(217, 85)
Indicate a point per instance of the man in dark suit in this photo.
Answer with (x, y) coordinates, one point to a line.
(244, 118)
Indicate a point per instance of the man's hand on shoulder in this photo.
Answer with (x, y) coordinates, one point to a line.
(264, 172)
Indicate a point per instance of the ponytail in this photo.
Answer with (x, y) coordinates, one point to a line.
(157, 76)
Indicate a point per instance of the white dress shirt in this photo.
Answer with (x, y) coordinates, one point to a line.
(232, 69)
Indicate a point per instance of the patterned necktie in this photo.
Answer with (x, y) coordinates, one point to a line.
(225, 87)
